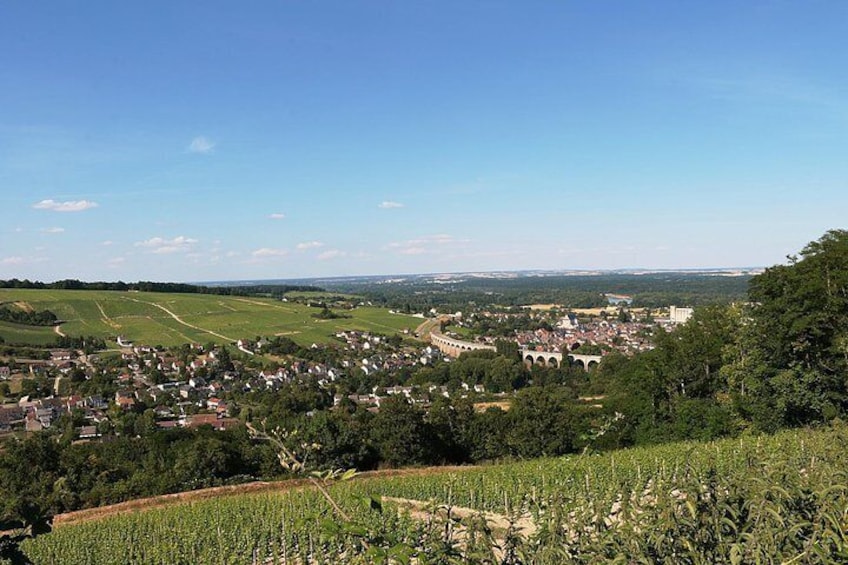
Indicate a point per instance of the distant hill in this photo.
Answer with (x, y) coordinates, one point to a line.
(156, 318)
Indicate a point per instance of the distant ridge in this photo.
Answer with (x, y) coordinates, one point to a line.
(529, 273)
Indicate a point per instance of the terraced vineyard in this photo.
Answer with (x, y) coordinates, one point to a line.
(774, 499)
(173, 319)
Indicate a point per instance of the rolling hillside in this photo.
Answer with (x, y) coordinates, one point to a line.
(173, 319)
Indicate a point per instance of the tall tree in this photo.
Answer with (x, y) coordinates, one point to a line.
(400, 434)
(790, 364)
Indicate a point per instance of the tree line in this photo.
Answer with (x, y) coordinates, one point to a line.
(275, 290)
(27, 317)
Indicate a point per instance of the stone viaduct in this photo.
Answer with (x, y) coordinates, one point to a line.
(455, 347)
(554, 358)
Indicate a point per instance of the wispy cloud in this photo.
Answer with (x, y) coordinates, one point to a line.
(309, 245)
(201, 144)
(161, 245)
(17, 260)
(388, 205)
(267, 252)
(759, 89)
(69, 206)
(53, 230)
(107, 243)
(330, 254)
(426, 244)
(277, 216)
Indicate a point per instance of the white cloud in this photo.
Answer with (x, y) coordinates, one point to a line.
(69, 206)
(201, 144)
(160, 245)
(330, 254)
(426, 244)
(107, 243)
(17, 260)
(277, 216)
(388, 204)
(52, 230)
(269, 252)
(309, 245)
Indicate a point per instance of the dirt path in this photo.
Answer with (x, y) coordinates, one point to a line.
(497, 522)
(142, 504)
(180, 321)
(109, 321)
(58, 330)
(266, 304)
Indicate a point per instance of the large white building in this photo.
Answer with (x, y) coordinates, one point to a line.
(679, 315)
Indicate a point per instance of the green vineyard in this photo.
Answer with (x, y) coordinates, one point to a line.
(766, 499)
(170, 319)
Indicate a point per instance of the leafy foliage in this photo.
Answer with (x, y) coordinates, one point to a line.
(29, 318)
(788, 365)
(767, 499)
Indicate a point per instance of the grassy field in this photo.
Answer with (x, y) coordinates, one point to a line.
(16, 333)
(172, 319)
(767, 499)
(319, 295)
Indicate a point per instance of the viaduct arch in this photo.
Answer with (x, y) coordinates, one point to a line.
(554, 358)
(455, 347)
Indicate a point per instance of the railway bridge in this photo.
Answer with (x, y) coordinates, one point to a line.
(455, 347)
(554, 358)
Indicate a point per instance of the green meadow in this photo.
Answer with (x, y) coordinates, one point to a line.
(32, 335)
(173, 319)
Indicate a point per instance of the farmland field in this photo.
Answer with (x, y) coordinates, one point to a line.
(35, 335)
(173, 319)
(768, 499)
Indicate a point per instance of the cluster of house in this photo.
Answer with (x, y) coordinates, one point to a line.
(416, 395)
(569, 332)
(42, 413)
(61, 361)
(38, 414)
(194, 387)
(195, 384)
(377, 355)
(627, 337)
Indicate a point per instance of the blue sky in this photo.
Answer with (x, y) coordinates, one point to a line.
(186, 141)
